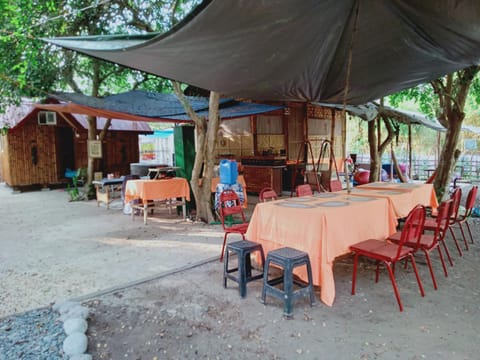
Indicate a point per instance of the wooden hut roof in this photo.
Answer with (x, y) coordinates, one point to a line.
(15, 115)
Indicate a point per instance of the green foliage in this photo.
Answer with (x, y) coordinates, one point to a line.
(74, 190)
(423, 139)
(33, 68)
(422, 95)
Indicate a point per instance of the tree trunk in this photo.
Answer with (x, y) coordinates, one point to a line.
(378, 147)
(447, 158)
(397, 167)
(374, 156)
(452, 93)
(92, 135)
(92, 124)
(206, 134)
(200, 201)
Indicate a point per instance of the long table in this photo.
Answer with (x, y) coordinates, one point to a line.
(324, 226)
(156, 190)
(402, 196)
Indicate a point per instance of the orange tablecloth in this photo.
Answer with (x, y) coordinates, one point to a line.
(323, 232)
(240, 180)
(403, 196)
(157, 189)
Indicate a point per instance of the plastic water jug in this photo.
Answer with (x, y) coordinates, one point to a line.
(228, 171)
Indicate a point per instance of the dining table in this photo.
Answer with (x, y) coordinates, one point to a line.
(148, 190)
(402, 196)
(324, 225)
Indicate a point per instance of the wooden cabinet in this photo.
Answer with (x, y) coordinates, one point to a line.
(259, 177)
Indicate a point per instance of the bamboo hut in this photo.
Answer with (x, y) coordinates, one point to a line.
(38, 147)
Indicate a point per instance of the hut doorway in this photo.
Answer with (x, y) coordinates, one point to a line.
(65, 150)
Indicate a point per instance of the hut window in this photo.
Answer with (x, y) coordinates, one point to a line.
(47, 118)
(269, 124)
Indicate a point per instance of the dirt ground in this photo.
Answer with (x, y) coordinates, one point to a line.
(187, 314)
(52, 249)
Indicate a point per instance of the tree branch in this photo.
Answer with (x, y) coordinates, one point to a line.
(190, 112)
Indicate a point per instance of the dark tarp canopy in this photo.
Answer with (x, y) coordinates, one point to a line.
(149, 106)
(299, 50)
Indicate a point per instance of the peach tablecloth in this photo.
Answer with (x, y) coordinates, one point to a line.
(157, 189)
(403, 196)
(323, 232)
(240, 180)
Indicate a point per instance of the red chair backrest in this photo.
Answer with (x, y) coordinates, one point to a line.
(267, 194)
(456, 198)
(230, 205)
(444, 210)
(413, 227)
(304, 190)
(431, 179)
(471, 197)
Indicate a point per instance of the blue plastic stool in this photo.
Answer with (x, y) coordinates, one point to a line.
(243, 249)
(288, 259)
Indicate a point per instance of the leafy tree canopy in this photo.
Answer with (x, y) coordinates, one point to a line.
(428, 101)
(32, 68)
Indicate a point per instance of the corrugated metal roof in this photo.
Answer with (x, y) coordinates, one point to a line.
(14, 115)
(158, 106)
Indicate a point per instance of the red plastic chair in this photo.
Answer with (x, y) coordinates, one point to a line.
(431, 225)
(304, 190)
(432, 177)
(267, 194)
(389, 253)
(463, 218)
(232, 216)
(431, 241)
(454, 217)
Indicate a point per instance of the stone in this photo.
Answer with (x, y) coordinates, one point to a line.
(77, 311)
(75, 344)
(64, 306)
(74, 325)
(81, 357)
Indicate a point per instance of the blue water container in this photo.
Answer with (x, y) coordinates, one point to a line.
(228, 171)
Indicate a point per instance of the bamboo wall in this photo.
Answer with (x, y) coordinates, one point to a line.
(119, 148)
(287, 129)
(30, 153)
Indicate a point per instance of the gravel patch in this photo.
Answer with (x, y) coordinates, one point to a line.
(32, 335)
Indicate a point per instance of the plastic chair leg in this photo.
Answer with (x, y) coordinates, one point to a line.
(447, 252)
(469, 231)
(242, 268)
(432, 274)
(464, 237)
(288, 289)
(420, 286)
(310, 284)
(223, 246)
(265, 281)
(394, 284)
(456, 242)
(442, 260)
